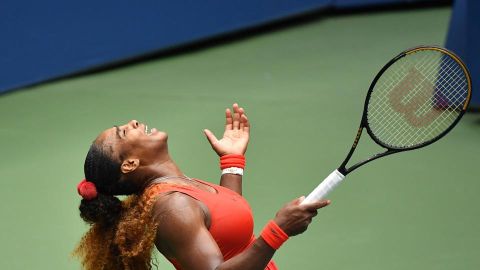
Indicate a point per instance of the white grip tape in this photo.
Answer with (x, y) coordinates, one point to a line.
(327, 185)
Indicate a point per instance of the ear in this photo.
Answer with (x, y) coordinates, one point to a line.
(129, 165)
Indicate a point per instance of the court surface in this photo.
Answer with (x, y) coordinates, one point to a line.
(303, 89)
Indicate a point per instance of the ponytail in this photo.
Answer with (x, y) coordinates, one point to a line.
(122, 233)
(104, 210)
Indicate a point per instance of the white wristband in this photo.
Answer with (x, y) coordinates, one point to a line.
(233, 170)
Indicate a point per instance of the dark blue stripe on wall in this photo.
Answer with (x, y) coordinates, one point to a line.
(42, 40)
(362, 3)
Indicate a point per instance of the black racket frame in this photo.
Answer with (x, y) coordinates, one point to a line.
(364, 121)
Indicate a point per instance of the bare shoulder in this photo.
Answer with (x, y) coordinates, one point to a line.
(177, 210)
(174, 203)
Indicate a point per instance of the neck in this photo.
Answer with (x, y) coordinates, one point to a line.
(164, 169)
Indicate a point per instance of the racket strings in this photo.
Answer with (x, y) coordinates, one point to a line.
(414, 103)
(423, 108)
(442, 88)
(383, 111)
(403, 73)
(422, 134)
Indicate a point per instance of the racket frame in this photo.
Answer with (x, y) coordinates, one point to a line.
(364, 121)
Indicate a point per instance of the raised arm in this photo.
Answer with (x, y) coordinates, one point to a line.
(235, 141)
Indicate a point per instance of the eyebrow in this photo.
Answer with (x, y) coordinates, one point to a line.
(118, 132)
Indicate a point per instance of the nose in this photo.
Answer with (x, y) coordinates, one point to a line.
(134, 124)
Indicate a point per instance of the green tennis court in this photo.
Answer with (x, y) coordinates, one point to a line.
(303, 88)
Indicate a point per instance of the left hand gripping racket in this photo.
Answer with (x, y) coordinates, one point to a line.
(415, 99)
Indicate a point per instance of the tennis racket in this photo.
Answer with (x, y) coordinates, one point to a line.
(415, 99)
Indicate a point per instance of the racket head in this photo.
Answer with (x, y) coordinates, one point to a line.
(417, 98)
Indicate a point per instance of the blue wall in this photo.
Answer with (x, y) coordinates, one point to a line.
(42, 40)
(464, 40)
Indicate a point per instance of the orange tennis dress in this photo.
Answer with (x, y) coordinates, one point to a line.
(231, 219)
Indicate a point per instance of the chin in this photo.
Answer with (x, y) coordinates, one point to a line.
(160, 135)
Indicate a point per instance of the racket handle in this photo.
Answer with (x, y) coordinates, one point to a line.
(327, 185)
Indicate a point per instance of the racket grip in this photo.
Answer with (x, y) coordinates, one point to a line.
(327, 185)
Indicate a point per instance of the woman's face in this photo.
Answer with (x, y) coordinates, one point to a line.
(135, 140)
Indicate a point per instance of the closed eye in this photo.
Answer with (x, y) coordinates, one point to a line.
(117, 129)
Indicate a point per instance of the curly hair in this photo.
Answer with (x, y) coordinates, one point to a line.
(122, 233)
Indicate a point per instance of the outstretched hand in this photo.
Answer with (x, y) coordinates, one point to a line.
(236, 135)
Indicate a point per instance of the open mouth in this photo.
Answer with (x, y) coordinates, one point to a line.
(149, 132)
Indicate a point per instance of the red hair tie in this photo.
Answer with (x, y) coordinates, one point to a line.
(87, 190)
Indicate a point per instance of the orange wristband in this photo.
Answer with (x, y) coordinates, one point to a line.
(273, 235)
(228, 161)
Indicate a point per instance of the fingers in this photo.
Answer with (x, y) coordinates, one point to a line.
(211, 137)
(236, 116)
(316, 205)
(228, 119)
(237, 120)
(244, 123)
(295, 217)
(298, 200)
(242, 120)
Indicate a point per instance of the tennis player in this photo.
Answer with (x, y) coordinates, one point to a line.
(193, 223)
